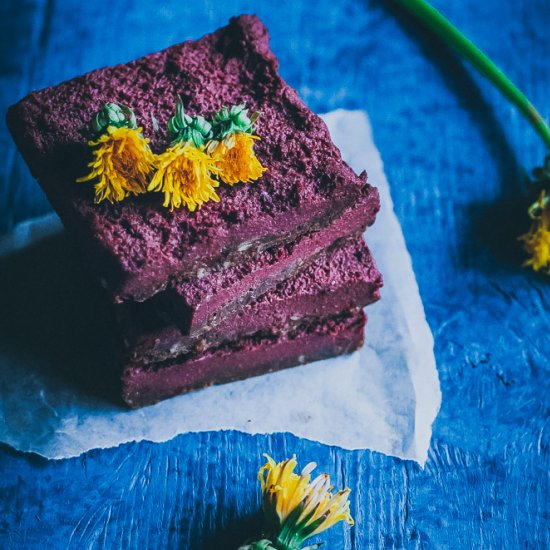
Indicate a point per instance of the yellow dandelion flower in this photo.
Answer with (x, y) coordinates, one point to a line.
(536, 241)
(184, 176)
(122, 161)
(297, 508)
(235, 158)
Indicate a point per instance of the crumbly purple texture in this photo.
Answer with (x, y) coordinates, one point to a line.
(344, 279)
(247, 357)
(137, 247)
(202, 303)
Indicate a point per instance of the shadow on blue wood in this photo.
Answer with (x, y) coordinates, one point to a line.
(455, 154)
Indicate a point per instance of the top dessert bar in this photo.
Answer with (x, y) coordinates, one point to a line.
(137, 247)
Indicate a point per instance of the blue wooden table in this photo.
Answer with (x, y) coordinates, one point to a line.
(456, 155)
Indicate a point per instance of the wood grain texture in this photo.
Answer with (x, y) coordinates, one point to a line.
(455, 154)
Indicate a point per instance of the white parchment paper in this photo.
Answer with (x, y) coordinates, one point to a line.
(383, 397)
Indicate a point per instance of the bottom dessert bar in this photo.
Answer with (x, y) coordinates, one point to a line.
(251, 356)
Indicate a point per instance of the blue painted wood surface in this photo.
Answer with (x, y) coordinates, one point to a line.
(455, 154)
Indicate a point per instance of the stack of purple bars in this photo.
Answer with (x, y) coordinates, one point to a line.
(274, 275)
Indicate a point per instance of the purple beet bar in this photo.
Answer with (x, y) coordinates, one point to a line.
(204, 302)
(346, 278)
(247, 357)
(137, 247)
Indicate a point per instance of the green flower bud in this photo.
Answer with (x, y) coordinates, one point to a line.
(112, 114)
(200, 124)
(229, 120)
(183, 128)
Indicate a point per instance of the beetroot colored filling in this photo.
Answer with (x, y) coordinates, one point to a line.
(137, 247)
(203, 303)
(251, 356)
(344, 279)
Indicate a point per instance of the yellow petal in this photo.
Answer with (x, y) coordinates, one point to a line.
(121, 165)
(236, 159)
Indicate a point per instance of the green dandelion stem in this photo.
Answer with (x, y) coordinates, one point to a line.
(465, 47)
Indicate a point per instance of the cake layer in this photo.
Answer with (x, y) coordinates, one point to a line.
(344, 279)
(244, 358)
(136, 247)
(203, 303)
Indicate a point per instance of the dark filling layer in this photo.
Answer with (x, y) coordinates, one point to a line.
(247, 357)
(137, 246)
(339, 281)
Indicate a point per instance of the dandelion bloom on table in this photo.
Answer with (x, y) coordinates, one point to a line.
(536, 241)
(295, 507)
(121, 164)
(184, 176)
